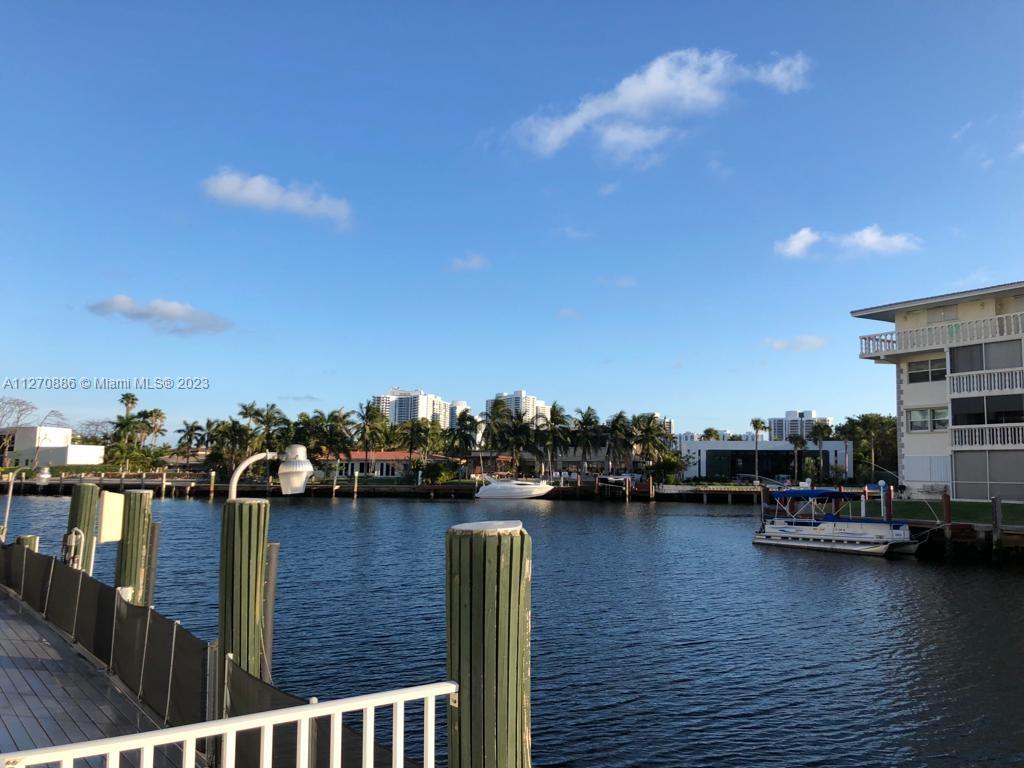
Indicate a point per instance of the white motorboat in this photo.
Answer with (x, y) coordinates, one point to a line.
(796, 524)
(512, 489)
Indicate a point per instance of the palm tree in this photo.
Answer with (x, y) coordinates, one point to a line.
(270, 421)
(463, 435)
(620, 440)
(820, 432)
(846, 432)
(249, 412)
(557, 433)
(586, 433)
(519, 437)
(651, 437)
(758, 425)
(873, 427)
(798, 445)
(129, 401)
(155, 420)
(191, 433)
(710, 434)
(371, 428)
(496, 425)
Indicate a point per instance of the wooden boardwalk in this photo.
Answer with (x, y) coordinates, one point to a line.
(51, 695)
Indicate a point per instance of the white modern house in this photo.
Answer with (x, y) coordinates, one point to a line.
(47, 447)
(959, 389)
(732, 458)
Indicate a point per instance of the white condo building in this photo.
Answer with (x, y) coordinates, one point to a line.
(401, 405)
(959, 389)
(795, 423)
(522, 402)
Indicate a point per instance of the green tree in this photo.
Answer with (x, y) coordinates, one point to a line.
(497, 422)
(651, 437)
(191, 434)
(129, 401)
(620, 441)
(820, 432)
(371, 429)
(758, 425)
(798, 444)
(587, 434)
(462, 435)
(710, 434)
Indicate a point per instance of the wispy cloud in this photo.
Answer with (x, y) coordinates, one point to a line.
(613, 186)
(638, 114)
(1018, 151)
(873, 240)
(568, 313)
(959, 132)
(719, 167)
(471, 262)
(300, 398)
(571, 233)
(796, 245)
(162, 315)
(870, 239)
(796, 343)
(620, 281)
(268, 194)
(975, 279)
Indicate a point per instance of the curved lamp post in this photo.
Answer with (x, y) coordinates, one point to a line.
(293, 473)
(7, 509)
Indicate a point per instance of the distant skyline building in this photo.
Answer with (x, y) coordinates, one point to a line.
(401, 405)
(795, 423)
(457, 407)
(522, 402)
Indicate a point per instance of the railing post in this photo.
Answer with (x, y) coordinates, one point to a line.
(997, 529)
(489, 575)
(85, 499)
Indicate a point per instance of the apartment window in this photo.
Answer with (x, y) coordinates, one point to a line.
(969, 358)
(1003, 354)
(919, 420)
(1005, 409)
(926, 370)
(968, 411)
(927, 419)
(942, 314)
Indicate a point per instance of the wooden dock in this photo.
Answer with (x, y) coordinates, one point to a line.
(51, 695)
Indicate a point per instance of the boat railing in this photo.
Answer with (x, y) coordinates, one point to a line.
(172, 743)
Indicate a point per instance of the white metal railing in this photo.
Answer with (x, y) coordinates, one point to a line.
(186, 736)
(979, 382)
(988, 436)
(942, 335)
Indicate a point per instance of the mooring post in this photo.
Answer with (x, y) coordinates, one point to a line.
(488, 585)
(133, 548)
(121, 487)
(997, 529)
(28, 541)
(888, 501)
(163, 486)
(243, 553)
(60, 487)
(151, 559)
(626, 484)
(355, 485)
(142, 480)
(269, 598)
(650, 488)
(947, 522)
(213, 482)
(85, 500)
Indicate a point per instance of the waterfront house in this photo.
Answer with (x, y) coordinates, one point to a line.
(46, 447)
(959, 390)
(728, 459)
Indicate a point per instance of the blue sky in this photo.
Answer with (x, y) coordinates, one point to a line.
(646, 206)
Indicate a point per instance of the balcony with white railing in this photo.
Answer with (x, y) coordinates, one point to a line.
(988, 436)
(942, 335)
(1003, 381)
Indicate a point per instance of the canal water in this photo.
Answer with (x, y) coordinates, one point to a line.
(661, 636)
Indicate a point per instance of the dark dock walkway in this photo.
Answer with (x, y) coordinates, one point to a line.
(49, 693)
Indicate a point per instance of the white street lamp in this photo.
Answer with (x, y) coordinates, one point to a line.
(293, 472)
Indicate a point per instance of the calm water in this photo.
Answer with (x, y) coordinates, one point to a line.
(662, 637)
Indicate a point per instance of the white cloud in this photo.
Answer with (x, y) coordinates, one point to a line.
(620, 281)
(979, 277)
(473, 262)
(718, 167)
(162, 315)
(267, 194)
(796, 344)
(795, 246)
(1018, 151)
(568, 312)
(611, 188)
(631, 117)
(788, 74)
(874, 240)
(959, 132)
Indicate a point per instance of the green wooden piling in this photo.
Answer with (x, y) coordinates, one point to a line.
(243, 547)
(489, 574)
(85, 500)
(133, 549)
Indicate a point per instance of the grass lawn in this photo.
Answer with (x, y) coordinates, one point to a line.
(963, 511)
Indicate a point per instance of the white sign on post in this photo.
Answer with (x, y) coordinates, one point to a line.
(111, 516)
